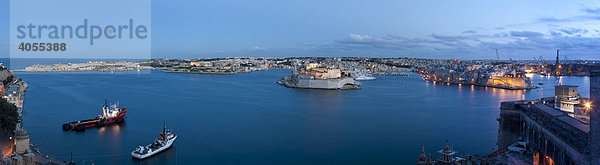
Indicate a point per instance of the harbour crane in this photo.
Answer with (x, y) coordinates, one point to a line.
(569, 71)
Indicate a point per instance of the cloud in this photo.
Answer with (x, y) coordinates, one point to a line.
(469, 32)
(574, 35)
(448, 38)
(360, 37)
(552, 20)
(573, 31)
(527, 44)
(590, 14)
(526, 34)
(595, 11)
(513, 44)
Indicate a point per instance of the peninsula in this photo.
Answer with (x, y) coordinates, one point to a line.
(505, 74)
(105, 66)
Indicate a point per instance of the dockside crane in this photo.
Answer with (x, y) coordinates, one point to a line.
(569, 71)
(544, 67)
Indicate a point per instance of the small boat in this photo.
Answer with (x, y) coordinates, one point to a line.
(541, 83)
(363, 77)
(163, 142)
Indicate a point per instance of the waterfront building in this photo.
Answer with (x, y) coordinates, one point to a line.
(318, 76)
(594, 135)
(566, 97)
(200, 63)
(509, 81)
(21, 154)
(12, 96)
(447, 156)
(423, 159)
(21, 142)
(312, 65)
(550, 135)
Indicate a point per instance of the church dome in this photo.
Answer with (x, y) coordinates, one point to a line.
(21, 134)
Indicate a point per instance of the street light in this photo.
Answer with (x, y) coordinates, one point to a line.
(588, 105)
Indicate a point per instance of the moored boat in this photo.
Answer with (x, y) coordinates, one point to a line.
(363, 77)
(110, 114)
(163, 142)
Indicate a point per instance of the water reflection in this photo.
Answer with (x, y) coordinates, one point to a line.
(384, 122)
(168, 156)
(116, 129)
(101, 130)
(323, 122)
(530, 75)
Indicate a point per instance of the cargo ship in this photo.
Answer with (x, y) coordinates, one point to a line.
(110, 114)
(163, 142)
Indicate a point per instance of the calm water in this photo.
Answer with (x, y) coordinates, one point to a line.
(248, 119)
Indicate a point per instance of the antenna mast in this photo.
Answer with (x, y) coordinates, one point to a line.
(164, 127)
(557, 65)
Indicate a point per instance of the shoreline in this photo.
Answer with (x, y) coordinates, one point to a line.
(10, 137)
(484, 85)
(215, 73)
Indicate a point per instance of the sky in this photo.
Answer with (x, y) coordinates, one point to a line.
(376, 28)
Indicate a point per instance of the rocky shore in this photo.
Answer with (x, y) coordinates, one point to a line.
(104, 66)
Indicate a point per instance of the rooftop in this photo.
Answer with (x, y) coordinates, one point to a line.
(509, 157)
(575, 123)
(550, 110)
(566, 86)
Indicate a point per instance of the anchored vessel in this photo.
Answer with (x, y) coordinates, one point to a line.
(363, 77)
(110, 114)
(164, 141)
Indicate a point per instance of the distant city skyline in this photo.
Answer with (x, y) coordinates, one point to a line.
(383, 28)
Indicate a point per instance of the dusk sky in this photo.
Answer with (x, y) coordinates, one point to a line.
(376, 28)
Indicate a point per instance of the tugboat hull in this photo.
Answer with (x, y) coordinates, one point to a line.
(96, 122)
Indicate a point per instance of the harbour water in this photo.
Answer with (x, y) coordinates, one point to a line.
(248, 119)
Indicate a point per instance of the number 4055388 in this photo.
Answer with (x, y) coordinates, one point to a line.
(43, 46)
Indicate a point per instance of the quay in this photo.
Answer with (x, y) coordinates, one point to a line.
(16, 145)
(563, 129)
(489, 85)
(555, 130)
(502, 80)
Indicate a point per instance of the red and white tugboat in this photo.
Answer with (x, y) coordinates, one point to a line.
(163, 142)
(110, 114)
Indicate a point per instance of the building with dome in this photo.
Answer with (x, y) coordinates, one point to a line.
(423, 159)
(22, 154)
(447, 156)
(21, 142)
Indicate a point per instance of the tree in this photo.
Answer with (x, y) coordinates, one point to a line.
(8, 115)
